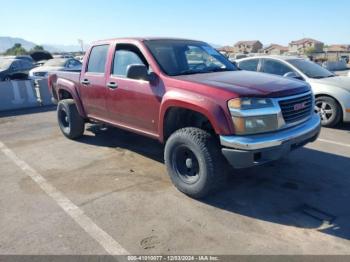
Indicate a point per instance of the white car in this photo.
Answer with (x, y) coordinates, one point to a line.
(332, 92)
(56, 64)
(349, 74)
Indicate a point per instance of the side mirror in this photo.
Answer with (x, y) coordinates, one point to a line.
(293, 75)
(138, 72)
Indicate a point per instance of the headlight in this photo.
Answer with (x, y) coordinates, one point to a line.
(249, 103)
(255, 124)
(253, 115)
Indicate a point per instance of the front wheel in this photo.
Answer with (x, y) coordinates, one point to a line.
(329, 111)
(71, 123)
(194, 162)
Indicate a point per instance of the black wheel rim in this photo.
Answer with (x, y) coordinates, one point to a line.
(325, 110)
(64, 119)
(186, 165)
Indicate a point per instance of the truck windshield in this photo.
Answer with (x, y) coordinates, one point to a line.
(311, 69)
(183, 57)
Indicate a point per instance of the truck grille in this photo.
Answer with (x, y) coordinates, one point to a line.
(296, 109)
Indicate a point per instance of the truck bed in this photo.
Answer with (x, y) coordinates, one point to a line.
(72, 75)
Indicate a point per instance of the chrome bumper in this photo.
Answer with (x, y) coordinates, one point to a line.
(248, 151)
(301, 132)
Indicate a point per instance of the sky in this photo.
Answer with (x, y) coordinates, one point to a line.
(221, 22)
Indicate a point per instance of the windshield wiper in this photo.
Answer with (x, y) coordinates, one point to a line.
(219, 69)
(320, 77)
(191, 72)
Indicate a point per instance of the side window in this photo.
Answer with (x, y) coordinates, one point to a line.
(27, 65)
(15, 66)
(97, 59)
(125, 57)
(275, 67)
(249, 65)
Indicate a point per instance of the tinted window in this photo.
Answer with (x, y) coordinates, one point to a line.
(97, 59)
(26, 64)
(275, 67)
(124, 58)
(249, 65)
(16, 66)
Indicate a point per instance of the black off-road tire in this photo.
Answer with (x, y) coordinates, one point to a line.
(331, 105)
(205, 153)
(70, 122)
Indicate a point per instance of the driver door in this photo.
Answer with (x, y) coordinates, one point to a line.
(132, 103)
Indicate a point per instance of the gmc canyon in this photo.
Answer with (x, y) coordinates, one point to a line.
(191, 98)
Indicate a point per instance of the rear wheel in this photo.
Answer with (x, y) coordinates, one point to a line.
(71, 123)
(7, 78)
(194, 162)
(329, 111)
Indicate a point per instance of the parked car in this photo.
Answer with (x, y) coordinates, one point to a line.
(55, 64)
(14, 69)
(349, 74)
(332, 92)
(205, 111)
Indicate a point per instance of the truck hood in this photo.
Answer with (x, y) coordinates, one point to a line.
(339, 81)
(246, 83)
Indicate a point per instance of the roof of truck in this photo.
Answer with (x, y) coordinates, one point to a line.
(127, 39)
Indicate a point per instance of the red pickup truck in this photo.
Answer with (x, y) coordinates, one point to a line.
(191, 98)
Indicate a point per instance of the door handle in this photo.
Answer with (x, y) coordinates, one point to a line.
(112, 85)
(85, 82)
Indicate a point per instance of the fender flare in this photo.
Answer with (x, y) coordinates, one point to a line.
(195, 102)
(70, 87)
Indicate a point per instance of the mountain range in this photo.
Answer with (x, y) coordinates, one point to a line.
(8, 42)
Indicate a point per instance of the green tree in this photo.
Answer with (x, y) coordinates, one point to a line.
(17, 49)
(37, 48)
(310, 50)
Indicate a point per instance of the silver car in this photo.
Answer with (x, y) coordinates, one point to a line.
(332, 92)
(56, 64)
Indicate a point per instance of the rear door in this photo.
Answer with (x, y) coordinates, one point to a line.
(93, 83)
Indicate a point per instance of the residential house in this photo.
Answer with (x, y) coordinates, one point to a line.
(274, 49)
(303, 45)
(338, 48)
(246, 47)
(226, 49)
(338, 52)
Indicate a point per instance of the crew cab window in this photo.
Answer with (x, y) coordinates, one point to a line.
(275, 67)
(249, 65)
(126, 55)
(97, 59)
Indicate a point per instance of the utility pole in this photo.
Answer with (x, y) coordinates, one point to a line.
(81, 43)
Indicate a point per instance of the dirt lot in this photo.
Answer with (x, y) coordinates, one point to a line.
(109, 193)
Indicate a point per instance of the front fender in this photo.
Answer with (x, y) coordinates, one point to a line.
(199, 103)
(71, 88)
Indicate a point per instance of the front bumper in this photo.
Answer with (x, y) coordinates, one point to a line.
(252, 150)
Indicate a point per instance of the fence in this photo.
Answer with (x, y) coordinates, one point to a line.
(23, 94)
